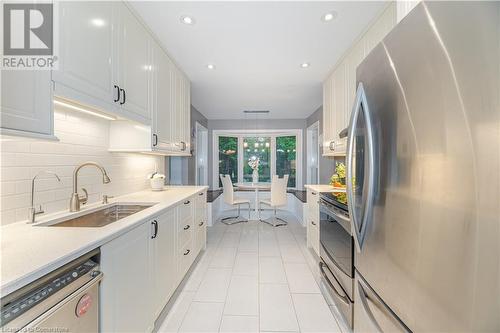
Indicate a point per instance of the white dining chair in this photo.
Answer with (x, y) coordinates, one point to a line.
(230, 199)
(278, 199)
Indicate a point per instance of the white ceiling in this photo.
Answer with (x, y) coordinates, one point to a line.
(257, 48)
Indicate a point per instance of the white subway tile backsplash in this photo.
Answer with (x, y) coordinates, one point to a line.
(82, 138)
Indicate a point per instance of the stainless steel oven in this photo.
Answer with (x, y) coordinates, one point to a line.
(337, 253)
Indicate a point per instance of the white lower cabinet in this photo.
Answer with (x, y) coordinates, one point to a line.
(143, 267)
(313, 220)
(163, 263)
(126, 288)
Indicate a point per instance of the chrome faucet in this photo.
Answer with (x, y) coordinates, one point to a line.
(33, 212)
(74, 203)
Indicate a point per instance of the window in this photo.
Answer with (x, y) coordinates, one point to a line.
(257, 148)
(286, 161)
(228, 157)
(278, 153)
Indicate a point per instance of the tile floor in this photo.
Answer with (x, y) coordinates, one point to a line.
(253, 278)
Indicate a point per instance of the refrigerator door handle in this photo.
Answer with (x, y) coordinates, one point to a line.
(366, 307)
(360, 227)
(392, 323)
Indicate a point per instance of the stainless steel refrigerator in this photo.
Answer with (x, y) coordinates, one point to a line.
(424, 173)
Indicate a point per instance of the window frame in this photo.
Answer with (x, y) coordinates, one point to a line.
(240, 134)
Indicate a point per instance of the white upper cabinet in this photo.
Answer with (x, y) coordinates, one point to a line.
(105, 59)
(163, 112)
(339, 89)
(133, 63)
(380, 28)
(26, 103)
(86, 52)
(404, 7)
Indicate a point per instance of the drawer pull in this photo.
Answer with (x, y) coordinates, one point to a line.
(313, 223)
(187, 227)
(201, 193)
(187, 252)
(201, 223)
(314, 193)
(187, 202)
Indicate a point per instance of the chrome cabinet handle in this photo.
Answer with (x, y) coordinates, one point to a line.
(201, 223)
(187, 227)
(344, 299)
(314, 193)
(313, 223)
(187, 252)
(187, 202)
(360, 227)
(201, 193)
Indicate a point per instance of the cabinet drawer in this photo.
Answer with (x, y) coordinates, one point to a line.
(186, 209)
(184, 232)
(186, 258)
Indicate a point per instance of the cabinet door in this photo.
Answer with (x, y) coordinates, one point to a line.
(338, 123)
(404, 7)
(134, 64)
(381, 27)
(86, 48)
(162, 111)
(174, 100)
(354, 58)
(201, 222)
(327, 115)
(164, 260)
(126, 288)
(187, 115)
(26, 101)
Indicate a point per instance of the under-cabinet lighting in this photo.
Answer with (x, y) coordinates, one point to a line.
(83, 110)
(142, 128)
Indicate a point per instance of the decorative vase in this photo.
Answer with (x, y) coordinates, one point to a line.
(255, 176)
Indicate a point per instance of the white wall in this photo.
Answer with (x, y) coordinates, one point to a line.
(82, 138)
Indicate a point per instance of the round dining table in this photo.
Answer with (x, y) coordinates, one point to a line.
(256, 187)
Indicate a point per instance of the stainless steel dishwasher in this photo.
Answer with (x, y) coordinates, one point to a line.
(65, 300)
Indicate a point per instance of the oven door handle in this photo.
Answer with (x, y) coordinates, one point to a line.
(344, 298)
(334, 212)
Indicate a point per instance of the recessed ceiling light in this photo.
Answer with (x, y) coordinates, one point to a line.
(304, 65)
(187, 20)
(211, 66)
(329, 16)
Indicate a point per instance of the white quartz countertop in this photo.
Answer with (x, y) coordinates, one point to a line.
(28, 252)
(324, 188)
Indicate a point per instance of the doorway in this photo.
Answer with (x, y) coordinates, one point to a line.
(201, 155)
(313, 154)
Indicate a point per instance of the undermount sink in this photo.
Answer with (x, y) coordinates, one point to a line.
(100, 217)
